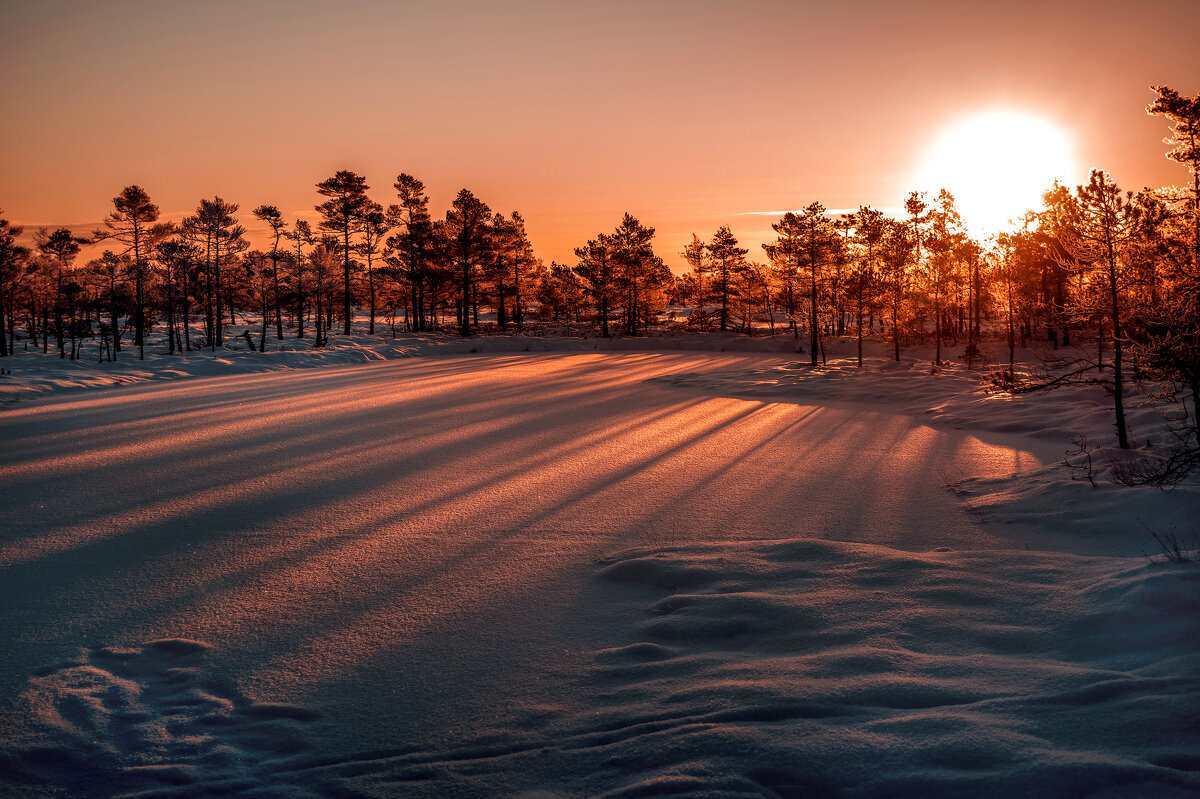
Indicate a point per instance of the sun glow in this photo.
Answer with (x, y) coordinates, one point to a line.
(997, 165)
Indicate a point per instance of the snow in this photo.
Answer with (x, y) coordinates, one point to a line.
(565, 567)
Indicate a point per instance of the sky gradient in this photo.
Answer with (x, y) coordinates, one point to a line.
(688, 115)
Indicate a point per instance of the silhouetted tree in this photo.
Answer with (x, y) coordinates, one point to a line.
(869, 227)
(274, 219)
(597, 270)
(696, 255)
(374, 224)
(560, 294)
(341, 214)
(111, 271)
(896, 248)
(518, 254)
(817, 240)
(786, 254)
(132, 224)
(302, 234)
(214, 224)
(12, 261)
(727, 260)
(944, 237)
(640, 270)
(322, 258)
(467, 233)
(177, 257)
(61, 247)
(413, 246)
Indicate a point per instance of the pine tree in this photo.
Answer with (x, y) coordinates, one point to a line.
(177, 256)
(809, 240)
(896, 249)
(1184, 113)
(132, 224)
(12, 261)
(727, 260)
(341, 214)
(302, 234)
(944, 237)
(597, 270)
(785, 254)
(215, 225)
(640, 270)
(467, 236)
(413, 246)
(696, 255)
(1096, 225)
(869, 228)
(274, 219)
(61, 247)
(374, 224)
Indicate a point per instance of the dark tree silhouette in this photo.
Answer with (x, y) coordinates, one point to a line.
(945, 236)
(61, 247)
(302, 234)
(274, 219)
(513, 257)
(810, 240)
(177, 256)
(696, 255)
(12, 261)
(640, 269)
(341, 214)
(132, 224)
(413, 246)
(467, 235)
(869, 228)
(214, 223)
(374, 224)
(786, 254)
(895, 253)
(597, 269)
(727, 261)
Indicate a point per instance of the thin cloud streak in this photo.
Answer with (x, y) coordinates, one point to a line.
(828, 211)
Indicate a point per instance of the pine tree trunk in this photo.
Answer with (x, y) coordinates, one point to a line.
(1118, 374)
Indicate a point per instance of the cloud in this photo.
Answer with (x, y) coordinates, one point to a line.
(828, 212)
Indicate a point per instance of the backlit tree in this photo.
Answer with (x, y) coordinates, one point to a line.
(341, 214)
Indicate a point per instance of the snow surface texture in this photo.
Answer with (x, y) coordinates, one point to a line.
(564, 575)
(148, 720)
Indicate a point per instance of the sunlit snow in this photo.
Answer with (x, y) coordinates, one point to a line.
(598, 569)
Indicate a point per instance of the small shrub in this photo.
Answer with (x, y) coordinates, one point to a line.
(1174, 547)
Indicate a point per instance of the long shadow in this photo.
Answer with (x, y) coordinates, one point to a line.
(339, 418)
(297, 456)
(140, 549)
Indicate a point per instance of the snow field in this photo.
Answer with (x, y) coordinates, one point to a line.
(565, 575)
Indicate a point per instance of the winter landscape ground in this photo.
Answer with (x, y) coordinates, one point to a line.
(566, 567)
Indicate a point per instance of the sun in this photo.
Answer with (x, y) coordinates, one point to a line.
(997, 165)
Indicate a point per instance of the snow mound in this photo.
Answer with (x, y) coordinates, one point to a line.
(1095, 515)
(813, 668)
(150, 721)
(821, 668)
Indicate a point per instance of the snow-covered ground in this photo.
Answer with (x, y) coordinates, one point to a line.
(564, 567)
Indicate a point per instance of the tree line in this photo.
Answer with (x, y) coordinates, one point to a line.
(1118, 269)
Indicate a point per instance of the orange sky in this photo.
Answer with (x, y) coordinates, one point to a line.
(686, 114)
